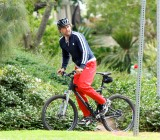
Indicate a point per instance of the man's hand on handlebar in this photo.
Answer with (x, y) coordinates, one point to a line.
(79, 71)
(61, 71)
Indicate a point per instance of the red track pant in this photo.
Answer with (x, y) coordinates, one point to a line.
(83, 82)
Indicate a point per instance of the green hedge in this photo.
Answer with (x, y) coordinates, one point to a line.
(21, 99)
(149, 103)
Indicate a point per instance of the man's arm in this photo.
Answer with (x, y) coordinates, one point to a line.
(65, 58)
(83, 45)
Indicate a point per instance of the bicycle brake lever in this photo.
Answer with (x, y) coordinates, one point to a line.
(63, 73)
(74, 71)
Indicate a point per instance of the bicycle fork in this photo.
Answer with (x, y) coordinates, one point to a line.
(63, 106)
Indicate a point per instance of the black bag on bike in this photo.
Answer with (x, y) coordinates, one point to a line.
(107, 79)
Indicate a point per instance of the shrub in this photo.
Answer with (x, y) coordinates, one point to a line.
(51, 40)
(37, 66)
(22, 98)
(150, 56)
(149, 104)
(101, 52)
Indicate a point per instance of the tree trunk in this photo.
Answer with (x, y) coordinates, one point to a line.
(27, 41)
(39, 5)
(43, 25)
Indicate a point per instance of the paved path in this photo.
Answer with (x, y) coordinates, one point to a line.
(105, 40)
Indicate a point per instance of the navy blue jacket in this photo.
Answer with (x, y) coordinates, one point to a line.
(78, 48)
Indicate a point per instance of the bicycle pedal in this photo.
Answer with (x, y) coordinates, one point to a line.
(88, 122)
(98, 116)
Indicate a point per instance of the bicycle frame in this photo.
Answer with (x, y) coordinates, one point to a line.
(86, 104)
(72, 87)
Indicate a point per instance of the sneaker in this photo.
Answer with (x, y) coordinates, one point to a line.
(85, 120)
(104, 107)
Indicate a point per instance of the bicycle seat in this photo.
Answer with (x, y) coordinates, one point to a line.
(104, 73)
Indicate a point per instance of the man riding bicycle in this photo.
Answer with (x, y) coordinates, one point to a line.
(75, 45)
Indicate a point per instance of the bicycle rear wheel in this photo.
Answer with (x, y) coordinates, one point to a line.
(54, 118)
(120, 115)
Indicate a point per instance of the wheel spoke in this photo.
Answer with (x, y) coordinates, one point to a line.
(53, 118)
(120, 115)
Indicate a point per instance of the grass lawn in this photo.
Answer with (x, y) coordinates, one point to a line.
(75, 135)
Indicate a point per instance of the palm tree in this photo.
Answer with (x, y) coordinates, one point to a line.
(12, 24)
(121, 57)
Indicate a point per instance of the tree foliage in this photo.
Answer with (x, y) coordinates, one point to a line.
(12, 24)
(120, 13)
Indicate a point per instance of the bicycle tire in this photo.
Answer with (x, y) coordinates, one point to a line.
(120, 115)
(51, 118)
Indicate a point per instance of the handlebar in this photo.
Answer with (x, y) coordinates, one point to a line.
(69, 74)
(73, 72)
(106, 78)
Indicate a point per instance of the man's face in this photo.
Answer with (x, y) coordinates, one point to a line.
(66, 30)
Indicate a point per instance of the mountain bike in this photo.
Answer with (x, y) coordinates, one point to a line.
(60, 112)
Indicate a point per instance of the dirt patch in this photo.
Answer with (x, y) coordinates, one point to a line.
(100, 127)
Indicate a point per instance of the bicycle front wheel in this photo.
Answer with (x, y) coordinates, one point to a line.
(120, 115)
(57, 116)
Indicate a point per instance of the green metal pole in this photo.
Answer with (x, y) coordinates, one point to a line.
(139, 75)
